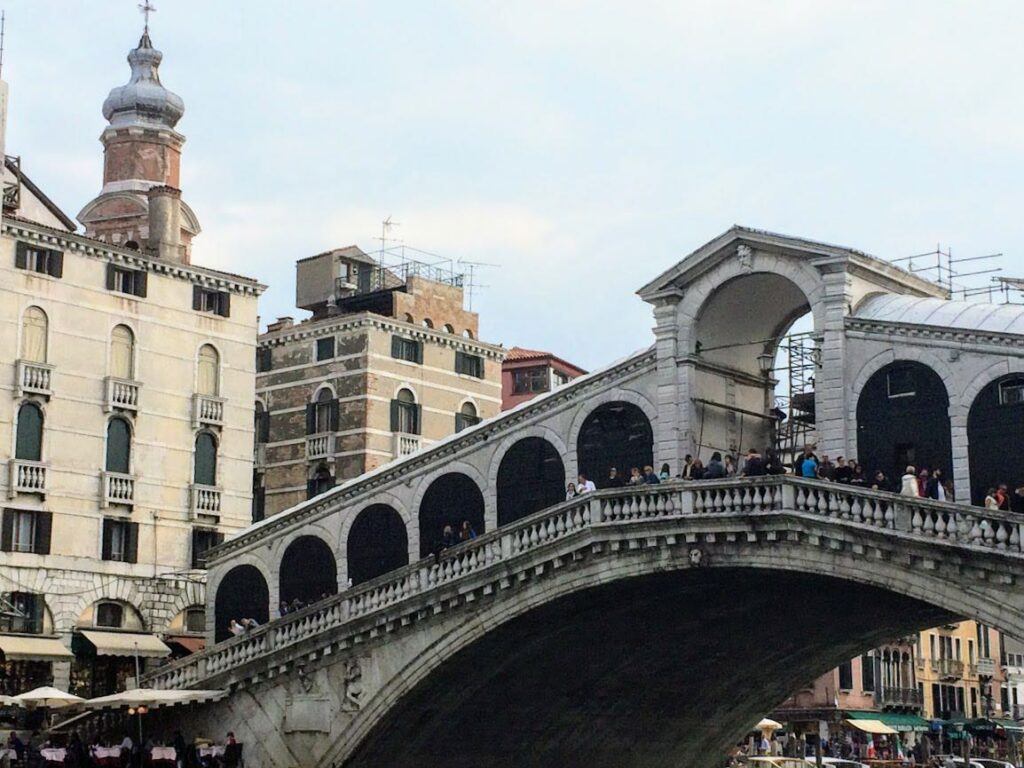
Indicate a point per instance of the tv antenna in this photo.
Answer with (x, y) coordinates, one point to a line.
(3, 25)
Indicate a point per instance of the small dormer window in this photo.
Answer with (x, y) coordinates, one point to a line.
(42, 261)
(212, 301)
(123, 280)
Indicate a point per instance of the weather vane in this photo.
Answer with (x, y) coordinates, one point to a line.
(146, 8)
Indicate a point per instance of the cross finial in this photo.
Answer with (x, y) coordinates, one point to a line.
(146, 8)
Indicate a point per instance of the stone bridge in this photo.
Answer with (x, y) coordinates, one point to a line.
(646, 627)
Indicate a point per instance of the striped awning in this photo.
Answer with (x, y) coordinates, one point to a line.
(34, 648)
(126, 644)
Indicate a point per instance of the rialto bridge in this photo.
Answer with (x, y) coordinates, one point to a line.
(645, 626)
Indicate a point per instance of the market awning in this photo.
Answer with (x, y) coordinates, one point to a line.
(899, 721)
(1009, 725)
(126, 644)
(24, 648)
(871, 726)
(152, 698)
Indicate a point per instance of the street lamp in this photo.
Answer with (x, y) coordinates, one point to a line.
(766, 362)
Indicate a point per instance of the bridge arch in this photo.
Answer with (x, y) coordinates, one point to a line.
(377, 542)
(995, 435)
(450, 499)
(615, 434)
(241, 593)
(530, 477)
(308, 571)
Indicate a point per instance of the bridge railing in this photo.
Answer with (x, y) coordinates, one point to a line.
(925, 518)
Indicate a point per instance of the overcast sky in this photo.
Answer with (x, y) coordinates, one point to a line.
(582, 146)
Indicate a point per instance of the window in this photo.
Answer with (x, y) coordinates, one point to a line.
(34, 326)
(1011, 391)
(846, 676)
(900, 382)
(262, 424)
(26, 615)
(867, 673)
(120, 541)
(449, 328)
(466, 417)
(470, 365)
(559, 378)
(325, 348)
(208, 379)
(259, 497)
(208, 300)
(195, 620)
(264, 359)
(322, 413)
(203, 540)
(405, 413)
(406, 349)
(122, 353)
(130, 281)
(40, 260)
(321, 482)
(530, 380)
(28, 444)
(119, 446)
(205, 472)
(26, 531)
(109, 615)
(427, 323)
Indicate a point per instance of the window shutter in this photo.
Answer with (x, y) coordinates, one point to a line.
(141, 283)
(224, 304)
(334, 416)
(44, 527)
(110, 276)
(310, 418)
(419, 352)
(21, 255)
(197, 297)
(131, 547)
(55, 264)
(6, 539)
(264, 427)
(396, 345)
(416, 416)
(218, 538)
(394, 415)
(107, 535)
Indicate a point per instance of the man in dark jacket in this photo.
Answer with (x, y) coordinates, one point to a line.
(715, 468)
(754, 466)
(614, 480)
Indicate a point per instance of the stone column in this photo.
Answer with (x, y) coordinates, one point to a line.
(830, 379)
(672, 428)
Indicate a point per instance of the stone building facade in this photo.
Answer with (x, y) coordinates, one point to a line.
(126, 435)
(388, 363)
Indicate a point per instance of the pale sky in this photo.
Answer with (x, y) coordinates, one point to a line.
(583, 146)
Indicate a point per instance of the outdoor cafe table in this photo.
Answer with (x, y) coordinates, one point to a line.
(53, 754)
(213, 750)
(163, 756)
(106, 756)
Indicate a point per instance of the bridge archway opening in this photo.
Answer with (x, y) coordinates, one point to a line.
(241, 594)
(995, 436)
(616, 435)
(903, 420)
(451, 499)
(308, 571)
(743, 373)
(531, 477)
(377, 543)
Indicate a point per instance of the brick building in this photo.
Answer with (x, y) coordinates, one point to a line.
(527, 373)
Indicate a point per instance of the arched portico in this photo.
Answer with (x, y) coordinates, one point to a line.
(242, 593)
(530, 478)
(450, 500)
(308, 571)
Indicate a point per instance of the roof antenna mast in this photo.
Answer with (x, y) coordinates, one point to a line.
(3, 25)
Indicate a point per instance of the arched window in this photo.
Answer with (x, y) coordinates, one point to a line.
(308, 571)
(321, 482)
(122, 352)
(405, 413)
(205, 472)
(451, 500)
(449, 328)
(29, 443)
(241, 594)
(995, 436)
(531, 477)
(427, 323)
(208, 380)
(324, 411)
(377, 543)
(467, 334)
(409, 318)
(119, 446)
(33, 335)
(466, 417)
(614, 435)
(109, 615)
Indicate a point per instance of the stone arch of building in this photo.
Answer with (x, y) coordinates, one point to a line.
(993, 429)
(377, 542)
(530, 477)
(542, 431)
(242, 592)
(307, 570)
(616, 394)
(451, 498)
(217, 575)
(616, 434)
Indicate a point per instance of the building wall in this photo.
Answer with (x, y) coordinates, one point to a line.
(962, 671)
(554, 368)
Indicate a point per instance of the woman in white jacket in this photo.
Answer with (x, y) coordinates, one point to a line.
(909, 487)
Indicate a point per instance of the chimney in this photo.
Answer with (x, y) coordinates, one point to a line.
(165, 223)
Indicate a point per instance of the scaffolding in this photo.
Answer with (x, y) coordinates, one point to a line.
(802, 355)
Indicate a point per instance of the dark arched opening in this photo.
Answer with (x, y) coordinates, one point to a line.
(614, 435)
(377, 543)
(241, 594)
(308, 571)
(903, 420)
(995, 437)
(451, 499)
(530, 477)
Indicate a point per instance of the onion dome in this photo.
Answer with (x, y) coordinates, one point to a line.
(143, 101)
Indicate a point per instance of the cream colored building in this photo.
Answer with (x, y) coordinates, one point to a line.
(126, 428)
(960, 671)
(389, 362)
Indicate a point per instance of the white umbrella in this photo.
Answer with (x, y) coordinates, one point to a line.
(152, 698)
(767, 724)
(45, 697)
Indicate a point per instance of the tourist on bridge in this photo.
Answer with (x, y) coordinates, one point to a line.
(754, 466)
(730, 466)
(448, 538)
(935, 488)
(687, 473)
(773, 463)
(635, 478)
(715, 470)
(583, 485)
(922, 483)
(826, 469)
(614, 479)
(467, 532)
(880, 482)
(697, 472)
(843, 472)
(570, 491)
(807, 464)
(857, 475)
(909, 485)
(1017, 500)
(649, 477)
(666, 472)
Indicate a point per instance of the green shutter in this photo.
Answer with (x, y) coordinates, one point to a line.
(394, 415)
(131, 546)
(7, 536)
(21, 255)
(44, 527)
(141, 283)
(29, 442)
(224, 304)
(55, 264)
(108, 534)
(111, 270)
(118, 446)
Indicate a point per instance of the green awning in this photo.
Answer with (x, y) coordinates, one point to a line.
(899, 721)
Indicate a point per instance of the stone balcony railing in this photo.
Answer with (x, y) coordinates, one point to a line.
(26, 477)
(984, 667)
(319, 446)
(948, 669)
(494, 552)
(117, 488)
(33, 378)
(207, 411)
(121, 394)
(899, 697)
(205, 500)
(405, 444)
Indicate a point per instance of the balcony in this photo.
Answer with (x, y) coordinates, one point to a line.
(984, 668)
(205, 501)
(899, 697)
(207, 411)
(948, 669)
(118, 488)
(120, 394)
(33, 378)
(319, 446)
(26, 477)
(405, 444)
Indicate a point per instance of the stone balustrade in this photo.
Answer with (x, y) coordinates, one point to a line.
(406, 444)
(207, 410)
(774, 495)
(205, 500)
(26, 477)
(118, 488)
(121, 394)
(319, 446)
(33, 378)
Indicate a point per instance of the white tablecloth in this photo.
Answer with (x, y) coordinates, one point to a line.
(53, 754)
(163, 753)
(212, 751)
